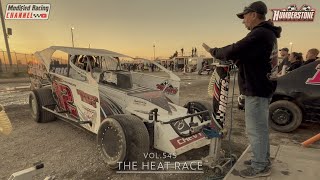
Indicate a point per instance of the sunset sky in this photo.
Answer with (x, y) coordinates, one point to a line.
(132, 26)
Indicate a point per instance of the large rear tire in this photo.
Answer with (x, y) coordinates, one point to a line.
(122, 138)
(284, 116)
(37, 99)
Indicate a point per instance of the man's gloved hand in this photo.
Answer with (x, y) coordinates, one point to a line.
(206, 47)
(210, 50)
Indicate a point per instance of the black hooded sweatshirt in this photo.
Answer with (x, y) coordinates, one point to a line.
(308, 61)
(253, 54)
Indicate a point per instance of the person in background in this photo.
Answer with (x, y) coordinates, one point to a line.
(284, 53)
(311, 56)
(171, 65)
(295, 60)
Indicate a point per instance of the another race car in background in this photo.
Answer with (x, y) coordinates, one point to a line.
(296, 99)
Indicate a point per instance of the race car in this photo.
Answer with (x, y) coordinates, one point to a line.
(297, 98)
(130, 112)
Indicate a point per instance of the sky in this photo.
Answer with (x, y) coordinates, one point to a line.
(132, 27)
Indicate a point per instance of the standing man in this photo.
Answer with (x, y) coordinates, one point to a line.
(284, 53)
(254, 57)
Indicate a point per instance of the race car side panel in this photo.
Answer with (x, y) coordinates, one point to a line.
(80, 99)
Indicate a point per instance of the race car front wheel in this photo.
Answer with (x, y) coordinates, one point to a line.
(122, 138)
(284, 116)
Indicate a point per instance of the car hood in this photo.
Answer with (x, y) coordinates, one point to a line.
(298, 81)
(155, 97)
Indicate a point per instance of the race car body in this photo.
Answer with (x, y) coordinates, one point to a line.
(92, 91)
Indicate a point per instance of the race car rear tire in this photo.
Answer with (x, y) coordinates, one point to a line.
(37, 99)
(280, 111)
(122, 138)
(201, 106)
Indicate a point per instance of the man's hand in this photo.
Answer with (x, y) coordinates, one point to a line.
(206, 47)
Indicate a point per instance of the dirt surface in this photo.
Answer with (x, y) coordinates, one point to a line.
(70, 153)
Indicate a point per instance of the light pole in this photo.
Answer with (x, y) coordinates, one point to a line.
(16, 60)
(5, 35)
(72, 28)
(154, 51)
(291, 47)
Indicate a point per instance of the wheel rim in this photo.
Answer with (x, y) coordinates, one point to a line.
(282, 116)
(33, 105)
(113, 143)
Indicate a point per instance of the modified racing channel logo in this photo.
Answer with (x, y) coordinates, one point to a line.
(27, 11)
(293, 13)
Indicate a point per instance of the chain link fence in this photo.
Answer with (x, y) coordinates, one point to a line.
(20, 62)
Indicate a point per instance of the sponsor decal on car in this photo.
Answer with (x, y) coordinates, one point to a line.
(167, 88)
(87, 98)
(315, 80)
(61, 69)
(180, 141)
(88, 114)
(37, 70)
(141, 103)
(64, 97)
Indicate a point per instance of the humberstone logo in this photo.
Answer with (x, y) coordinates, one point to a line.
(27, 11)
(292, 13)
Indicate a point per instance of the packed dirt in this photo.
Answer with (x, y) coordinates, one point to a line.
(70, 153)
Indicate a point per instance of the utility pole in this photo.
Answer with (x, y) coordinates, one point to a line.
(5, 35)
(72, 28)
(154, 51)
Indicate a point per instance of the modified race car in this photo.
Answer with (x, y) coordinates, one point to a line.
(130, 112)
(296, 98)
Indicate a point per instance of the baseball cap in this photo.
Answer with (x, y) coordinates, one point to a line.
(284, 49)
(258, 7)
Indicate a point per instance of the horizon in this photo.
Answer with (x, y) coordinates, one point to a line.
(134, 27)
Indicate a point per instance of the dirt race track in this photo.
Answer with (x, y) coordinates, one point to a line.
(70, 153)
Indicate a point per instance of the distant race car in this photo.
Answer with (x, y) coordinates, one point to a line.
(129, 112)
